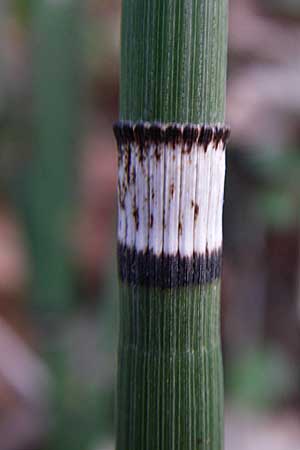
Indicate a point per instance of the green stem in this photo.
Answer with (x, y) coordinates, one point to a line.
(170, 369)
(174, 60)
(56, 75)
(170, 375)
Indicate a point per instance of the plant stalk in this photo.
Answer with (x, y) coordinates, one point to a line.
(171, 145)
(56, 81)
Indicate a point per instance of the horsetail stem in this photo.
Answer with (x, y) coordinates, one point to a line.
(171, 151)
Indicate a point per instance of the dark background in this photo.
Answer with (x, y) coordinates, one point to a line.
(58, 283)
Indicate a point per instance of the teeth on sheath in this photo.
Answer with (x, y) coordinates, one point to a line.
(171, 188)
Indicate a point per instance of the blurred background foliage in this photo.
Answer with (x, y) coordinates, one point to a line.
(58, 283)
